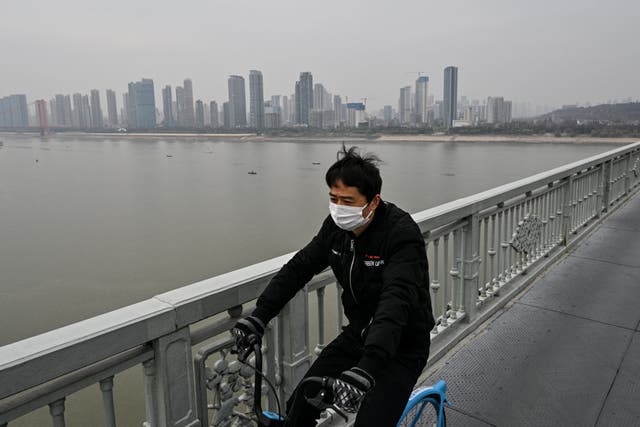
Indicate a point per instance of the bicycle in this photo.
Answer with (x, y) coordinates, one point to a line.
(424, 408)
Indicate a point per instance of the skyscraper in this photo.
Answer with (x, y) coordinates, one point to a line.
(112, 108)
(387, 113)
(61, 112)
(81, 121)
(199, 114)
(86, 111)
(141, 110)
(285, 110)
(256, 100)
(422, 88)
(189, 114)
(124, 112)
(167, 107)
(131, 106)
(319, 93)
(450, 96)
(180, 106)
(275, 103)
(66, 105)
(226, 114)
(213, 110)
(96, 110)
(304, 98)
(337, 110)
(14, 112)
(237, 102)
(404, 105)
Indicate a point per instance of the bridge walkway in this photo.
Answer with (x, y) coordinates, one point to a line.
(566, 352)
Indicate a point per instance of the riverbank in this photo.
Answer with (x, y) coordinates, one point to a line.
(249, 137)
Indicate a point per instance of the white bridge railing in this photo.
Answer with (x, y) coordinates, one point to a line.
(482, 250)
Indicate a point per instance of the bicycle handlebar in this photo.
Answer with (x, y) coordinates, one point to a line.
(322, 400)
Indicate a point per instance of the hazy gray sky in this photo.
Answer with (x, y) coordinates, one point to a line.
(548, 52)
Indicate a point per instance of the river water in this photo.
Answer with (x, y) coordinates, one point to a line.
(90, 224)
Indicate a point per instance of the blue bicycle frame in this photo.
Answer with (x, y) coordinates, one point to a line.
(420, 397)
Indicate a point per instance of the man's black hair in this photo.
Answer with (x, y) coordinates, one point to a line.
(356, 170)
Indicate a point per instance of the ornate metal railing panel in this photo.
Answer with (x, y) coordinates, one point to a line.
(482, 249)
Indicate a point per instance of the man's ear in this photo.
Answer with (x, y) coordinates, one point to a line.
(376, 201)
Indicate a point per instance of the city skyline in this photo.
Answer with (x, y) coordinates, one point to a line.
(568, 53)
(311, 106)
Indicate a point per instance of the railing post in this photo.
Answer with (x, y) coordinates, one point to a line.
(470, 270)
(566, 210)
(295, 355)
(106, 386)
(627, 174)
(56, 409)
(606, 185)
(171, 382)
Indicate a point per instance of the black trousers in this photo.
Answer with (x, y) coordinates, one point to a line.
(382, 406)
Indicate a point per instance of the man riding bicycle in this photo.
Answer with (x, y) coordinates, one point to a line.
(377, 254)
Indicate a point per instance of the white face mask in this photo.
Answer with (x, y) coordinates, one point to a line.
(349, 217)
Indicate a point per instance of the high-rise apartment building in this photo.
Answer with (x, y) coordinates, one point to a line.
(86, 111)
(53, 119)
(304, 98)
(14, 112)
(112, 108)
(131, 106)
(422, 88)
(199, 114)
(141, 110)
(80, 120)
(277, 105)
(256, 100)
(404, 105)
(319, 96)
(124, 115)
(226, 114)
(96, 110)
(450, 96)
(207, 114)
(180, 106)
(338, 118)
(66, 105)
(213, 111)
(167, 107)
(498, 110)
(188, 114)
(237, 102)
(285, 110)
(62, 116)
(387, 114)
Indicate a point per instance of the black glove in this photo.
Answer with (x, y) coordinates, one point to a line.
(350, 389)
(247, 332)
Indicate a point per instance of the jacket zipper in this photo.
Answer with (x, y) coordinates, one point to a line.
(353, 259)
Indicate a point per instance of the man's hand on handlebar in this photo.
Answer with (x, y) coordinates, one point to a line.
(351, 387)
(247, 332)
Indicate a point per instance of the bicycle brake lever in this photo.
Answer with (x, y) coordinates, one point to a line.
(339, 412)
(318, 402)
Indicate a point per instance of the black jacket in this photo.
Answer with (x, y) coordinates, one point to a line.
(385, 276)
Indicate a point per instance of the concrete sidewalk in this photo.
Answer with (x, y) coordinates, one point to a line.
(567, 351)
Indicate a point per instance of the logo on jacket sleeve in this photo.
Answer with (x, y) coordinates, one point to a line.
(373, 261)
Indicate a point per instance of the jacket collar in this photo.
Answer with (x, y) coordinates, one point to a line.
(378, 218)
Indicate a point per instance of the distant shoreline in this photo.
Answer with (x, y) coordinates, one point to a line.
(249, 137)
